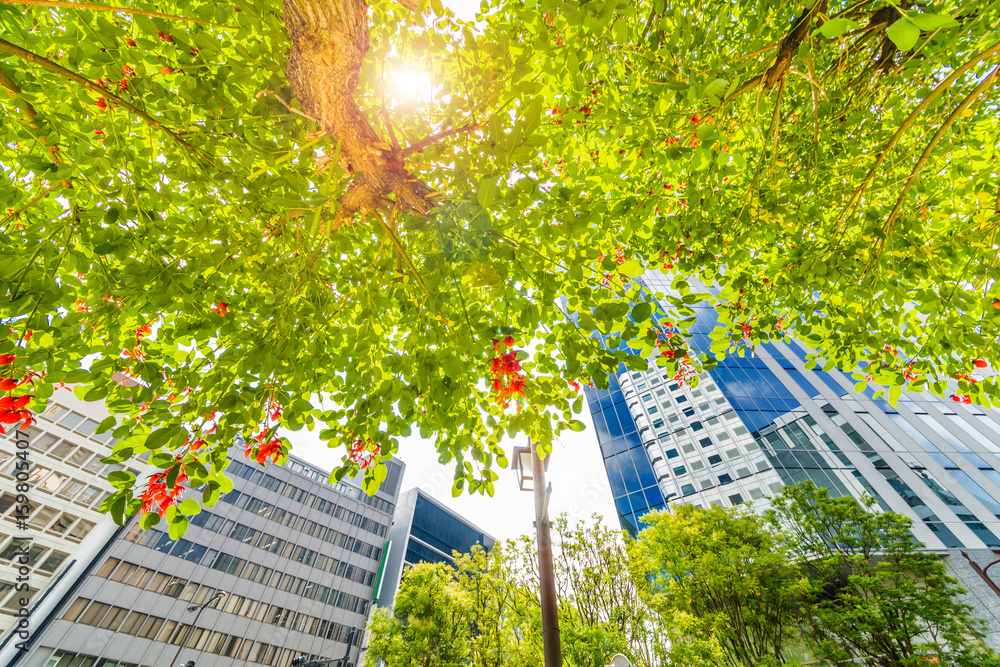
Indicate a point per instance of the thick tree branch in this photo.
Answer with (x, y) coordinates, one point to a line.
(329, 41)
(117, 10)
(56, 68)
(790, 44)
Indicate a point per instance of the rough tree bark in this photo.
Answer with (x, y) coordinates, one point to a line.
(329, 40)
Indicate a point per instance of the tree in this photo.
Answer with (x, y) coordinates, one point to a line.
(725, 569)
(258, 238)
(431, 623)
(600, 613)
(876, 596)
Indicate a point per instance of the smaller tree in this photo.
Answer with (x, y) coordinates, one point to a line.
(875, 596)
(431, 626)
(722, 570)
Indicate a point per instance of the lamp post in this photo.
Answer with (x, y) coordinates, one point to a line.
(526, 459)
(200, 607)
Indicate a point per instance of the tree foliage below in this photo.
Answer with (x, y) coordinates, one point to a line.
(232, 206)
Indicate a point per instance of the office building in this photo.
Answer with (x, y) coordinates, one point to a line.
(425, 531)
(285, 565)
(762, 421)
(66, 485)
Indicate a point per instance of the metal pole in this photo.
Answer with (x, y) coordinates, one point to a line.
(551, 647)
(187, 636)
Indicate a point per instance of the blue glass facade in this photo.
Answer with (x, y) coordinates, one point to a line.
(424, 531)
(763, 421)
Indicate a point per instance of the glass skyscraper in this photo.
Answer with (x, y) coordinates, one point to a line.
(763, 421)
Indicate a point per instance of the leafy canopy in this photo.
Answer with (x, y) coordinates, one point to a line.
(231, 206)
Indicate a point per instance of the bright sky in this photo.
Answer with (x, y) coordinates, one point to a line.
(576, 472)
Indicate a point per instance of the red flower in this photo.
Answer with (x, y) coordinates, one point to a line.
(980, 363)
(165, 37)
(130, 41)
(101, 104)
(15, 402)
(7, 359)
(222, 308)
(508, 341)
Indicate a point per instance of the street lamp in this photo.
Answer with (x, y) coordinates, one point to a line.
(531, 469)
(200, 607)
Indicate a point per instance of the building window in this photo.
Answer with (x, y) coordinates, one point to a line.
(725, 478)
(680, 470)
(714, 458)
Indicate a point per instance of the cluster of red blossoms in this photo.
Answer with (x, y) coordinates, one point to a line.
(12, 410)
(272, 449)
(157, 496)
(508, 380)
(966, 398)
(222, 308)
(673, 346)
(360, 454)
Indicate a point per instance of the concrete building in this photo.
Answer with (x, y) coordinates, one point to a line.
(59, 459)
(763, 421)
(424, 531)
(296, 559)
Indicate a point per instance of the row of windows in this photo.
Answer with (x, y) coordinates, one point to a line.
(58, 523)
(230, 564)
(74, 421)
(190, 591)
(266, 509)
(156, 628)
(285, 518)
(256, 476)
(63, 485)
(299, 554)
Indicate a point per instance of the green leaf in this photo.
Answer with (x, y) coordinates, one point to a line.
(148, 520)
(576, 425)
(904, 34)
(631, 269)
(177, 528)
(929, 22)
(188, 507)
(486, 193)
(837, 27)
(121, 479)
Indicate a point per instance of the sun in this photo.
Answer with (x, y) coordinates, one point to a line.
(411, 86)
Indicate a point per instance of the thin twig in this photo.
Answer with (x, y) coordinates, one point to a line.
(14, 91)
(31, 203)
(940, 88)
(286, 105)
(752, 53)
(434, 138)
(402, 251)
(119, 10)
(965, 104)
(56, 68)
